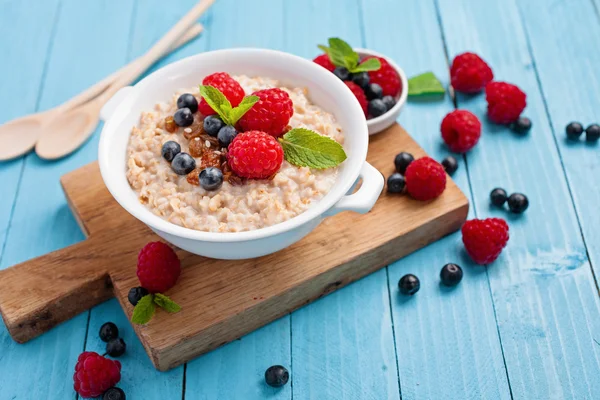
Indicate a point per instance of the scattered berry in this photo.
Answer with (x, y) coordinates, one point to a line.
(183, 164)
(389, 102)
(183, 117)
(574, 130)
(95, 374)
(461, 130)
(409, 284)
(373, 91)
(592, 133)
(484, 239)
(158, 267)
(211, 178)
(498, 197)
(395, 183)
(425, 179)
(505, 102)
(230, 88)
(108, 331)
(114, 393)
(226, 135)
(402, 161)
(522, 125)
(361, 79)
(469, 73)
(135, 295)
(170, 149)
(255, 155)
(212, 125)
(377, 108)
(271, 114)
(518, 203)
(386, 77)
(188, 100)
(277, 376)
(116, 347)
(359, 94)
(324, 61)
(450, 165)
(451, 274)
(342, 73)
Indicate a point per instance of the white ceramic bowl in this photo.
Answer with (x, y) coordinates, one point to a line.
(376, 125)
(123, 111)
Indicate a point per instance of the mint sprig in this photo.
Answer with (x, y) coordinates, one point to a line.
(305, 148)
(166, 303)
(425, 84)
(146, 307)
(222, 106)
(342, 54)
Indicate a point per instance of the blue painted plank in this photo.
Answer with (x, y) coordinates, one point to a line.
(544, 294)
(447, 341)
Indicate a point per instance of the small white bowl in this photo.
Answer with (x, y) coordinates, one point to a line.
(123, 112)
(376, 125)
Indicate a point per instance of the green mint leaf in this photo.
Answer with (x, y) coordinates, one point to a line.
(324, 48)
(217, 101)
(305, 148)
(337, 58)
(166, 303)
(426, 84)
(240, 110)
(144, 310)
(341, 53)
(372, 64)
(342, 46)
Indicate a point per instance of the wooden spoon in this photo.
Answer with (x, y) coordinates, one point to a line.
(19, 136)
(69, 131)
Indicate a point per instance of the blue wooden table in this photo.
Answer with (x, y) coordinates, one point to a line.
(527, 327)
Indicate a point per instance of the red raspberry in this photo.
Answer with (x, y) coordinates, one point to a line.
(158, 267)
(484, 239)
(386, 77)
(461, 130)
(95, 374)
(255, 155)
(506, 102)
(227, 85)
(324, 61)
(425, 179)
(270, 114)
(359, 94)
(469, 73)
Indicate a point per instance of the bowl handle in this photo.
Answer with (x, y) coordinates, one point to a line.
(365, 197)
(111, 105)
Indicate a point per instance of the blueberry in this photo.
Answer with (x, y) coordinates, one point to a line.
(498, 197)
(374, 91)
(170, 149)
(183, 164)
(211, 178)
(402, 161)
(187, 100)
(592, 133)
(183, 117)
(522, 125)
(114, 393)
(450, 164)
(574, 130)
(395, 183)
(451, 274)
(212, 125)
(361, 79)
(108, 331)
(277, 376)
(518, 203)
(116, 347)
(135, 295)
(377, 108)
(342, 73)
(226, 135)
(389, 102)
(409, 284)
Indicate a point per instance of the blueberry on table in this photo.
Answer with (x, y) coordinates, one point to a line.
(277, 376)
(108, 331)
(451, 274)
(362, 79)
(226, 135)
(389, 102)
(376, 108)
(409, 284)
(592, 133)
(211, 178)
(518, 203)
(170, 149)
(498, 197)
(522, 125)
(187, 100)
(574, 130)
(116, 347)
(395, 183)
(450, 165)
(402, 160)
(373, 91)
(135, 295)
(183, 164)
(342, 73)
(212, 125)
(183, 117)
(114, 393)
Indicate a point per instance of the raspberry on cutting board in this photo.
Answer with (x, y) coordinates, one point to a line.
(484, 239)
(271, 114)
(505, 102)
(469, 73)
(255, 155)
(158, 267)
(461, 130)
(95, 374)
(230, 88)
(425, 179)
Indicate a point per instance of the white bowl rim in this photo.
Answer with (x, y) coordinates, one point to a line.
(315, 211)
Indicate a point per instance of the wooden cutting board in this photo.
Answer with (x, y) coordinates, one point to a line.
(221, 300)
